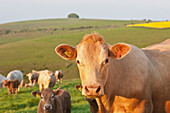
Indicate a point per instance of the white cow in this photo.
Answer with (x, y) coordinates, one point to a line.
(16, 74)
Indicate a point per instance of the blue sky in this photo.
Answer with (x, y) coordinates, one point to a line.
(19, 10)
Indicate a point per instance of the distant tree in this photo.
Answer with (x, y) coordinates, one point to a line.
(144, 19)
(149, 20)
(73, 15)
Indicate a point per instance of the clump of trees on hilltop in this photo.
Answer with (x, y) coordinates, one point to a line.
(73, 15)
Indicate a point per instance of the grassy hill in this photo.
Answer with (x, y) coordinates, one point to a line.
(30, 45)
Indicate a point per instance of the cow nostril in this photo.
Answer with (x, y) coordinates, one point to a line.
(47, 107)
(98, 89)
(86, 89)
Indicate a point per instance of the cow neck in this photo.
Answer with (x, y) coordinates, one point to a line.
(111, 87)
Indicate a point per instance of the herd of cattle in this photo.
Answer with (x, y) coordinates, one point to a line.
(118, 78)
(46, 80)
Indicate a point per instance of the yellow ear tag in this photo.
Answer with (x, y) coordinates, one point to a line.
(37, 95)
(68, 53)
(80, 89)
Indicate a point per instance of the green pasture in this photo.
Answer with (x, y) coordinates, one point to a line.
(24, 102)
(29, 45)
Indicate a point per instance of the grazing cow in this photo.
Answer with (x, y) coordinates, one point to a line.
(16, 74)
(11, 85)
(46, 79)
(57, 101)
(33, 77)
(122, 78)
(1, 80)
(59, 75)
(91, 101)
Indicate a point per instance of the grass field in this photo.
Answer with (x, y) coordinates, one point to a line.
(30, 45)
(24, 102)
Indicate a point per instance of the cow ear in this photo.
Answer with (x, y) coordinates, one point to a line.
(78, 87)
(58, 92)
(36, 94)
(66, 51)
(119, 50)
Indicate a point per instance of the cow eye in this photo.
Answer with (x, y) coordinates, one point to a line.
(106, 61)
(52, 97)
(42, 97)
(78, 62)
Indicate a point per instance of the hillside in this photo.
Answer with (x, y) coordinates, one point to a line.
(30, 45)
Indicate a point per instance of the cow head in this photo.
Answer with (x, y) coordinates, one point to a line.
(5, 83)
(93, 57)
(47, 98)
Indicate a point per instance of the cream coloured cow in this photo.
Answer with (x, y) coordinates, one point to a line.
(46, 79)
(121, 77)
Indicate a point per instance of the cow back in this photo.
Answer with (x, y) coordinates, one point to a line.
(16, 74)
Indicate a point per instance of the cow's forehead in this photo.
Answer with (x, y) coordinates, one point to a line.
(92, 52)
(47, 92)
(92, 38)
(89, 42)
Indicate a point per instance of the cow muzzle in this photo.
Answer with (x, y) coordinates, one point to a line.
(92, 91)
(47, 107)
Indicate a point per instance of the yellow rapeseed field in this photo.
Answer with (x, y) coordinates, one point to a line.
(159, 25)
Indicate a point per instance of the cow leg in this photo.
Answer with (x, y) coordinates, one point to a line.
(16, 90)
(13, 90)
(58, 80)
(34, 82)
(8, 91)
(21, 84)
(61, 80)
(31, 82)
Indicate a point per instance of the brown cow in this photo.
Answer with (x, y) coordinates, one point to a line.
(33, 77)
(11, 85)
(91, 101)
(122, 78)
(57, 101)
